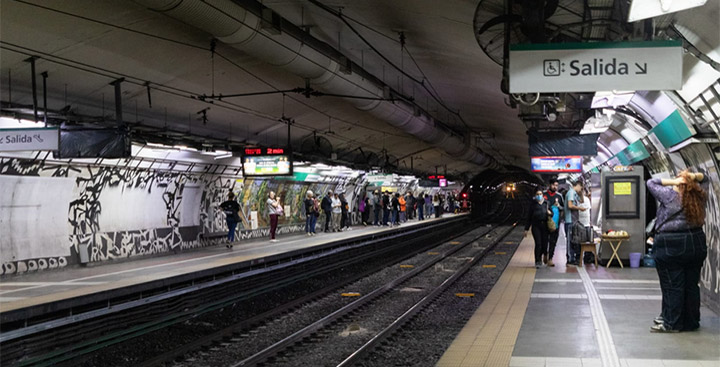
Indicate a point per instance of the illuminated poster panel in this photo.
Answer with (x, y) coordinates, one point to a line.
(266, 162)
(557, 164)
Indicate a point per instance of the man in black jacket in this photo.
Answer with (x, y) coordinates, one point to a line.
(326, 206)
(385, 203)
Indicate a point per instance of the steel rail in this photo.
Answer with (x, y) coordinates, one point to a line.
(360, 302)
(244, 324)
(64, 354)
(419, 306)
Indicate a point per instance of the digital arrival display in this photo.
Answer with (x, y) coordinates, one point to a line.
(556, 164)
(266, 162)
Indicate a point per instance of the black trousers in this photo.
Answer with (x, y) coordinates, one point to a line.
(328, 214)
(540, 235)
(552, 239)
(679, 257)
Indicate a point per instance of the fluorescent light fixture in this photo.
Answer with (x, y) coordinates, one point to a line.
(11, 123)
(598, 124)
(611, 99)
(687, 142)
(223, 156)
(270, 129)
(643, 9)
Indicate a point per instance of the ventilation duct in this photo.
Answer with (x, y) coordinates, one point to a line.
(233, 25)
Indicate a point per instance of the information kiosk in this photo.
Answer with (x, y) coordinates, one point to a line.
(623, 209)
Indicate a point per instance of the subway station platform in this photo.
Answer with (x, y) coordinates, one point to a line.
(577, 316)
(41, 291)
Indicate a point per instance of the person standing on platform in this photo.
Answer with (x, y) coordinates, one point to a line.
(680, 248)
(436, 205)
(376, 208)
(344, 220)
(395, 207)
(386, 206)
(274, 211)
(538, 220)
(572, 210)
(326, 206)
(310, 213)
(554, 200)
(231, 208)
(428, 206)
(411, 203)
(420, 202)
(365, 204)
(402, 208)
(336, 213)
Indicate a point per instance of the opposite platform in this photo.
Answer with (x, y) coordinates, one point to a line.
(34, 289)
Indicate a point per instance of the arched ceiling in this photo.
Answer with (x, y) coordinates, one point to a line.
(84, 45)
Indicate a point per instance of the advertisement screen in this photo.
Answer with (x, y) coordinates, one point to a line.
(267, 165)
(557, 164)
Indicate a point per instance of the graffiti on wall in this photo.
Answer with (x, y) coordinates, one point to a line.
(103, 191)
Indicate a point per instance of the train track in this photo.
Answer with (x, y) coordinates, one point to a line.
(460, 254)
(41, 348)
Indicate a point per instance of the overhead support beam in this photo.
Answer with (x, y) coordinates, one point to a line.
(31, 60)
(45, 76)
(118, 103)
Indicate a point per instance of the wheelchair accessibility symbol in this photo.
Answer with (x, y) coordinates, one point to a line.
(551, 67)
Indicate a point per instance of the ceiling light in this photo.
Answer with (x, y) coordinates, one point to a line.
(12, 123)
(643, 9)
(223, 156)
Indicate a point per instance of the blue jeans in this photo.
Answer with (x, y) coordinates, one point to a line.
(232, 224)
(571, 255)
(386, 216)
(395, 216)
(679, 257)
(310, 221)
(420, 212)
(376, 211)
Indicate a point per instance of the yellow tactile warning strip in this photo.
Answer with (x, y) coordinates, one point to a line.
(488, 339)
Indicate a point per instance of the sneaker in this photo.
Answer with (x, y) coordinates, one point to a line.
(550, 263)
(273, 241)
(230, 247)
(662, 329)
(658, 320)
(538, 264)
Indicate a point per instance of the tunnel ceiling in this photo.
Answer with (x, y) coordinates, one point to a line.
(438, 36)
(460, 84)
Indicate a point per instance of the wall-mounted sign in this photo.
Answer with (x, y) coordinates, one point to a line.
(622, 188)
(13, 140)
(442, 182)
(556, 164)
(266, 162)
(595, 66)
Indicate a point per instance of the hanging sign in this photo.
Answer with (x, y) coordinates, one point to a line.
(595, 66)
(12, 140)
(556, 164)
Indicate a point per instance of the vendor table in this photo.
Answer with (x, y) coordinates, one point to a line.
(615, 242)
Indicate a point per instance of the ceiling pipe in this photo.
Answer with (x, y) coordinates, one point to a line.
(232, 24)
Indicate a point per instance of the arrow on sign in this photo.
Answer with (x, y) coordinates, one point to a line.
(641, 69)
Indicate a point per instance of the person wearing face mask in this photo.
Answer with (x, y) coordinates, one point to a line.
(537, 219)
(556, 202)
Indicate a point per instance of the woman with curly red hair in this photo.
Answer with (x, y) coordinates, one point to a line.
(680, 248)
